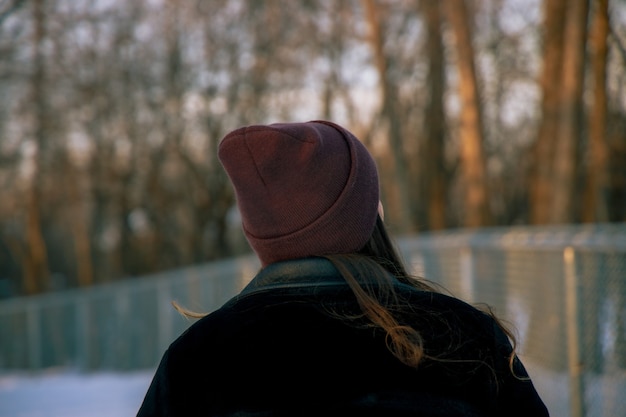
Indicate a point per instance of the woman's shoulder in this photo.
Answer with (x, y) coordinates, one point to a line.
(433, 308)
(442, 301)
(199, 334)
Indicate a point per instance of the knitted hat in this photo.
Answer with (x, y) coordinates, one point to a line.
(303, 189)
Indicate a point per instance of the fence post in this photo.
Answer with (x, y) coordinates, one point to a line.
(33, 325)
(82, 335)
(468, 274)
(164, 322)
(573, 331)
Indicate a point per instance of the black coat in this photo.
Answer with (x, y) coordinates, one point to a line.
(281, 348)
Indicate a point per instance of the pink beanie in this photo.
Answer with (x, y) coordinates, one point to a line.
(303, 189)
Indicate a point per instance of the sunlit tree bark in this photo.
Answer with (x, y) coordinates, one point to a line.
(67, 202)
(171, 230)
(471, 132)
(435, 185)
(390, 114)
(334, 47)
(35, 265)
(550, 83)
(78, 218)
(595, 202)
(565, 207)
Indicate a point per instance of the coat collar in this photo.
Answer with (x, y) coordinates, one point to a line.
(297, 273)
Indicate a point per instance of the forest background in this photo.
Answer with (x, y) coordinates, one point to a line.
(479, 113)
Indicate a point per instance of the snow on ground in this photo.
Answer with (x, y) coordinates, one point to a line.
(62, 393)
(67, 394)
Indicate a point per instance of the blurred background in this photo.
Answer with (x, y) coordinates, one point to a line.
(503, 117)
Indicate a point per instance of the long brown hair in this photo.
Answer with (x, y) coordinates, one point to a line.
(375, 290)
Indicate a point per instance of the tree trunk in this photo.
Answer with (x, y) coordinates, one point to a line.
(36, 255)
(595, 201)
(473, 166)
(390, 114)
(566, 162)
(80, 227)
(435, 183)
(550, 82)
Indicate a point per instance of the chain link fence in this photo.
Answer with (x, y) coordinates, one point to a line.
(563, 290)
(121, 326)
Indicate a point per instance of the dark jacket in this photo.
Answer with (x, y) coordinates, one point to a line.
(283, 347)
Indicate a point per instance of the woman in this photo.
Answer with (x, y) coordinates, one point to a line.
(332, 324)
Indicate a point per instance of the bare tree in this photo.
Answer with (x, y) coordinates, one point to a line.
(564, 208)
(471, 130)
(35, 262)
(550, 82)
(595, 202)
(435, 181)
(390, 114)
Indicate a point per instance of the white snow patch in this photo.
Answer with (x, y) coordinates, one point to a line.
(66, 394)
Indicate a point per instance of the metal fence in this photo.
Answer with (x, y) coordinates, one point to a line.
(564, 291)
(562, 288)
(122, 326)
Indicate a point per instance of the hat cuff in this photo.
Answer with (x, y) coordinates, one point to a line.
(325, 236)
